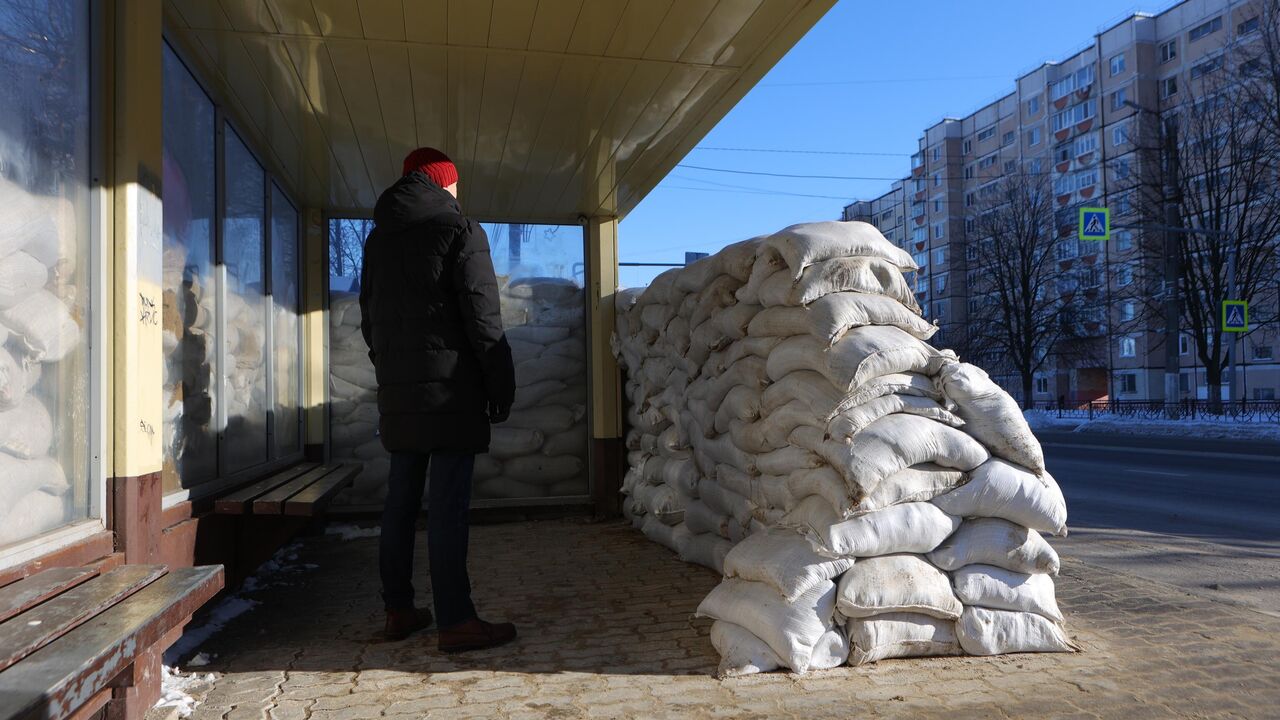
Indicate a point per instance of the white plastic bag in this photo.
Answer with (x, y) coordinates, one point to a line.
(896, 583)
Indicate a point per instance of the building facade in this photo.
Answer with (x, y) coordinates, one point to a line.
(1076, 127)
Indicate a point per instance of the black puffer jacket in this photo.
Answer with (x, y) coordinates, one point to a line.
(429, 313)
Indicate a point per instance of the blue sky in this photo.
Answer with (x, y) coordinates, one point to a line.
(868, 78)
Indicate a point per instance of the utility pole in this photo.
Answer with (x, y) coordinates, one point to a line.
(1172, 267)
(1232, 393)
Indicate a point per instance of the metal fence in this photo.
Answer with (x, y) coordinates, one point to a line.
(1231, 410)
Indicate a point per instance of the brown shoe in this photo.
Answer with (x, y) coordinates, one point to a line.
(475, 634)
(402, 623)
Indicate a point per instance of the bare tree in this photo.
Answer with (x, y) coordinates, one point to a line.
(1224, 162)
(1023, 300)
(346, 246)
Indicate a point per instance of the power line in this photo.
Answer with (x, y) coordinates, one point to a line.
(883, 81)
(754, 192)
(803, 152)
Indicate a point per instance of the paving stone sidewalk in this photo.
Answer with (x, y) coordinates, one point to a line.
(606, 631)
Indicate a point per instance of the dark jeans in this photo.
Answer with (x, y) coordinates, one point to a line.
(447, 530)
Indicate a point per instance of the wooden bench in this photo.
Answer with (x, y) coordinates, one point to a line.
(303, 490)
(70, 637)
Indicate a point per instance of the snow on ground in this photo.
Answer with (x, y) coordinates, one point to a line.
(1225, 428)
(348, 531)
(176, 689)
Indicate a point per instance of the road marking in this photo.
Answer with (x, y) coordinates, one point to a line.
(1159, 451)
(1156, 472)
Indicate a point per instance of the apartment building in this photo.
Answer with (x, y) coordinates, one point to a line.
(1075, 124)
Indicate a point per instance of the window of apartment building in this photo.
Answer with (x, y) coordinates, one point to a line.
(971, 252)
(1124, 240)
(1117, 64)
(917, 160)
(988, 161)
(919, 234)
(1008, 138)
(917, 184)
(1248, 26)
(1127, 383)
(1033, 105)
(1042, 385)
(922, 284)
(1199, 70)
(1168, 87)
(1062, 153)
(1086, 178)
(1064, 185)
(1124, 203)
(1263, 352)
(974, 304)
(1124, 275)
(1251, 68)
(939, 309)
(1010, 166)
(937, 205)
(1184, 344)
(1085, 144)
(1120, 135)
(1128, 311)
(939, 283)
(969, 200)
(939, 256)
(886, 216)
(1128, 347)
(921, 258)
(968, 172)
(1122, 171)
(1035, 166)
(965, 147)
(1205, 29)
(986, 133)
(1033, 136)
(1067, 249)
(971, 279)
(1118, 97)
(937, 179)
(1075, 114)
(917, 209)
(1169, 51)
(1264, 393)
(939, 230)
(937, 152)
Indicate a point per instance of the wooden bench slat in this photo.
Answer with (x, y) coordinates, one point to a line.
(62, 676)
(26, 633)
(30, 591)
(241, 501)
(272, 503)
(312, 500)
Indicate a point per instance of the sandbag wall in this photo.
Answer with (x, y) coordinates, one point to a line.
(864, 495)
(539, 452)
(41, 334)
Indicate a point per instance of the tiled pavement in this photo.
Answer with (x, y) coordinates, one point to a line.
(606, 631)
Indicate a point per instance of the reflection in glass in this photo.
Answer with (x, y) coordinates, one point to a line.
(44, 267)
(285, 294)
(190, 438)
(245, 370)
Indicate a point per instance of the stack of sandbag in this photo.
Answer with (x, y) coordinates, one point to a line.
(864, 494)
(39, 328)
(540, 451)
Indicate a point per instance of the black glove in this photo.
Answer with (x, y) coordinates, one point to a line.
(498, 413)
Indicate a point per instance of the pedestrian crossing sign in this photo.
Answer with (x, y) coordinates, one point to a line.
(1095, 224)
(1235, 316)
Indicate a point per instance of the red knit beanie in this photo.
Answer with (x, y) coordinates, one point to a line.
(434, 164)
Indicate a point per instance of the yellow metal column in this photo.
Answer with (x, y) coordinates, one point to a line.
(136, 366)
(315, 255)
(606, 385)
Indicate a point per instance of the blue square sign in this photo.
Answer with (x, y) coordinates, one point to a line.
(1235, 316)
(1095, 224)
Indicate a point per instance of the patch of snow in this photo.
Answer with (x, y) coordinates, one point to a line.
(200, 660)
(176, 688)
(348, 531)
(1223, 428)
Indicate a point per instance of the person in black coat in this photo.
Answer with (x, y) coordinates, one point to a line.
(430, 316)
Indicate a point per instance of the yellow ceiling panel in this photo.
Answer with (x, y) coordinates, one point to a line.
(382, 19)
(553, 24)
(550, 108)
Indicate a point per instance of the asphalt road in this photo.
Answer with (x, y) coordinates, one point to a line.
(1200, 514)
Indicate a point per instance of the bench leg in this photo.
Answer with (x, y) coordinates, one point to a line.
(139, 689)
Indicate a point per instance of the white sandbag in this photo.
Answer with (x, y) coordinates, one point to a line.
(829, 317)
(506, 443)
(839, 275)
(537, 334)
(852, 421)
(487, 467)
(785, 561)
(896, 583)
(20, 275)
(740, 403)
(726, 502)
(534, 394)
(34, 513)
(999, 589)
(542, 470)
(721, 360)
(508, 488)
(44, 325)
(806, 386)
(784, 461)
(913, 484)
(362, 375)
(991, 541)
(907, 528)
(900, 383)
(998, 488)
(736, 259)
(26, 430)
(535, 371)
(522, 351)
(749, 371)
(804, 244)
(682, 475)
(863, 353)
(741, 653)
(662, 503)
(570, 442)
(991, 415)
(997, 632)
(896, 635)
(761, 490)
(791, 629)
(19, 477)
(891, 444)
(713, 298)
(548, 419)
(697, 274)
(701, 519)
(673, 537)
